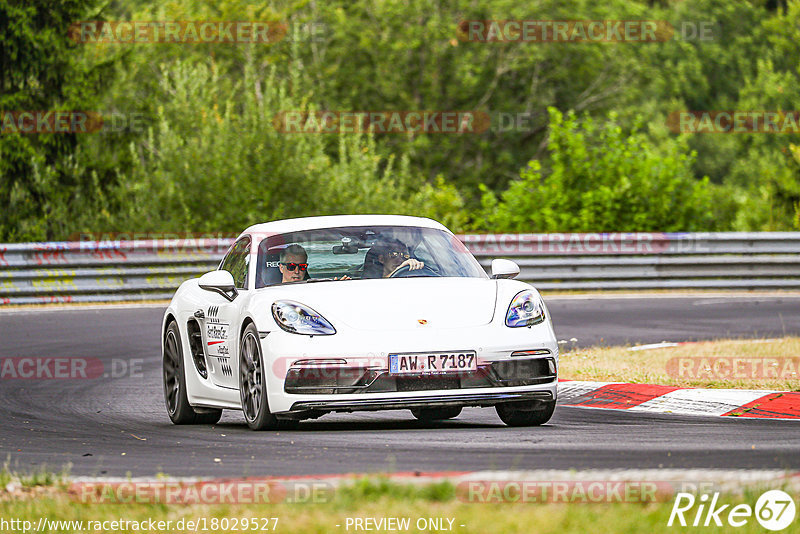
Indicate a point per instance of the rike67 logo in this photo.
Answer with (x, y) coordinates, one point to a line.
(774, 510)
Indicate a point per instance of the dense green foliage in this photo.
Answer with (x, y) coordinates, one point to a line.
(41, 176)
(198, 150)
(602, 179)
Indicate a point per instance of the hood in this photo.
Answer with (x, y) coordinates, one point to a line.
(396, 304)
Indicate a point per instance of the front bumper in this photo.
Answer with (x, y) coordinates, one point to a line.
(368, 385)
(313, 379)
(458, 399)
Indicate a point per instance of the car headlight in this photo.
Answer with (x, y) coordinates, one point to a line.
(299, 319)
(526, 309)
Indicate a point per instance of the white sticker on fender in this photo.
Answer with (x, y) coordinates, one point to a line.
(217, 339)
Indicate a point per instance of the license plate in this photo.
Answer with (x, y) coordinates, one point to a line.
(432, 362)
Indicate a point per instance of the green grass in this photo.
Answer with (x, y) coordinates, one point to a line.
(379, 498)
(781, 358)
(5, 475)
(370, 489)
(41, 477)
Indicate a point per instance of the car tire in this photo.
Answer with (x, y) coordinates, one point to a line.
(174, 378)
(436, 414)
(253, 385)
(519, 414)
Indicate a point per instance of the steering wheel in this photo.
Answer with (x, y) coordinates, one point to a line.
(406, 272)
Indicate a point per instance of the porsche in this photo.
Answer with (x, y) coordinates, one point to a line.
(305, 317)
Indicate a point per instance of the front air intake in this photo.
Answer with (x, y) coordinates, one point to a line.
(196, 347)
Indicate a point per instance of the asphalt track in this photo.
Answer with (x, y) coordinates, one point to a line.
(118, 426)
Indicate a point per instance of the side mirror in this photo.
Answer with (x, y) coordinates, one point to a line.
(219, 282)
(504, 269)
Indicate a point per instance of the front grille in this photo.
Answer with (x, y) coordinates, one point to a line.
(524, 372)
(329, 379)
(427, 383)
(343, 380)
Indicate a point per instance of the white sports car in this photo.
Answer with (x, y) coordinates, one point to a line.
(356, 312)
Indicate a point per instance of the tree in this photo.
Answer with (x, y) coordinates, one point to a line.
(602, 179)
(41, 69)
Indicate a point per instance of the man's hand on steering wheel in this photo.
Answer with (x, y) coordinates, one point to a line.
(412, 265)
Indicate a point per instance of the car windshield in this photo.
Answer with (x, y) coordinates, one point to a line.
(361, 252)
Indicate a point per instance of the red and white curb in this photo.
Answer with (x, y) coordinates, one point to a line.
(651, 398)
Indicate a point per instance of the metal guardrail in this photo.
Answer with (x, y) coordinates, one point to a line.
(92, 271)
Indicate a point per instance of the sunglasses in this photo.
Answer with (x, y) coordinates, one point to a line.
(295, 266)
(396, 254)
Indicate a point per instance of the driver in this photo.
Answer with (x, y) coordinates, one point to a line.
(391, 256)
(294, 264)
